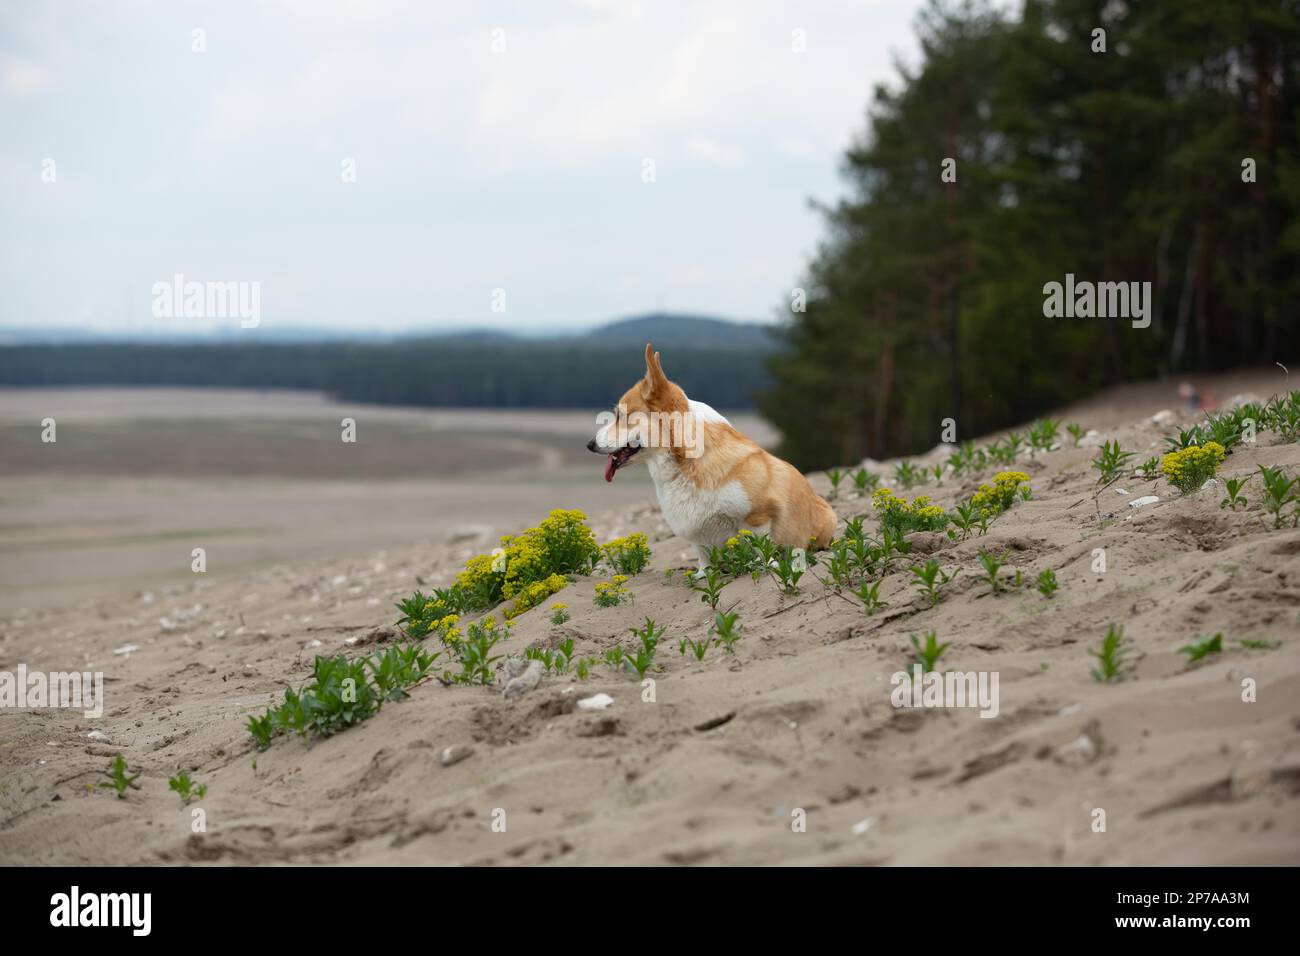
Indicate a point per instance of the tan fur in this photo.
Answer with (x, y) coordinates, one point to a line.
(779, 494)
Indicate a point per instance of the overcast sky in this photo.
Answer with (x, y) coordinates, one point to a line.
(476, 168)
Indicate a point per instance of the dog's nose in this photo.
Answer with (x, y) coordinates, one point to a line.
(591, 445)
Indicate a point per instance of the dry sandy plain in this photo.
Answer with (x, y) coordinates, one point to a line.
(311, 542)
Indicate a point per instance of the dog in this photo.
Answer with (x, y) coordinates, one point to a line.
(711, 481)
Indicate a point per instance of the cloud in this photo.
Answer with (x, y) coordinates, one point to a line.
(479, 164)
(713, 152)
(22, 76)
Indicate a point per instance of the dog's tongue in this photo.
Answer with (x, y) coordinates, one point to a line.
(610, 467)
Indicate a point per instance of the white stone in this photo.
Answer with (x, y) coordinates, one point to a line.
(598, 702)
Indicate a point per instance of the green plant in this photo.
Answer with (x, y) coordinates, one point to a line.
(727, 630)
(791, 564)
(1224, 430)
(1202, 648)
(710, 588)
(1283, 414)
(1110, 461)
(1008, 450)
(1047, 582)
(263, 729)
(1234, 496)
(869, 595)
(962, 517)
(475, 652)
(399, 667)
(639, 662)
(931, 577)
(614, 657)
(648, 634)
(560, 614)
(628, 555)
(1149, 468)
(583, 668)
(992, 565)
(118, 779)
(836, 476)
(698, 648)
(739, 555)
(186, 788)
(840, 563)
(967, 458)
(1043, 434)
(1185, 438)
(864, 481)
(549, 659)
(1110, 658)
(908, 474)
(937, 472)
(1076, 432)
(1279, 491)
(1256, 644)
(1190, 467)
(928, 654)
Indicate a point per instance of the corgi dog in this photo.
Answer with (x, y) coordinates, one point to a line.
(711, 481)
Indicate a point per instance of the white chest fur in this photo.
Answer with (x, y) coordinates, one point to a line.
(705, 517)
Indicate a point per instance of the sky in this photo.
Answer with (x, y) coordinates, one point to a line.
(384, 166)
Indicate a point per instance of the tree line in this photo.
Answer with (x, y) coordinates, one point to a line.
(448, 373)
(1137, 142)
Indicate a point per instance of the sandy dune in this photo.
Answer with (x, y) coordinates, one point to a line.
(715, 770)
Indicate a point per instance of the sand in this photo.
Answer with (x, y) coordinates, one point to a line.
(787, 752)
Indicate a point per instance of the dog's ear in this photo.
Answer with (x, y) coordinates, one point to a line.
(655, 379)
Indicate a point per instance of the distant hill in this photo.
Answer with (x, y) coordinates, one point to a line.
(682, 331)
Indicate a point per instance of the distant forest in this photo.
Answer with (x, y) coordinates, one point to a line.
(1152, 142)
(454, 372)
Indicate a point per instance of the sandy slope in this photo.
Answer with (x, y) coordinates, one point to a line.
(711, 772)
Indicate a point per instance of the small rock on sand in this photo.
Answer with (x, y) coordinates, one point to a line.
(596, 702)
(454, 754)
(1143, 501)
(1084, 749)
(527, 679)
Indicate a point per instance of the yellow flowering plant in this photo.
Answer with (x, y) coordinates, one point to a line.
(530, 567)
(899, 517)
(628, 555)
(1189, 468)
(534, 594)
(612, 592)
(992, 500)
